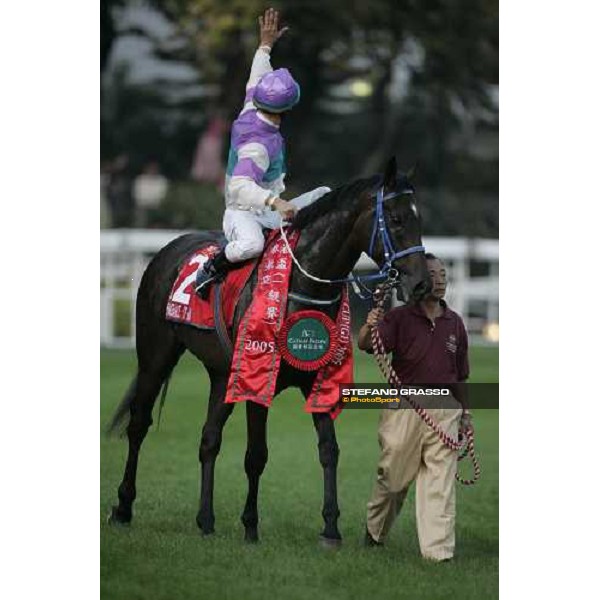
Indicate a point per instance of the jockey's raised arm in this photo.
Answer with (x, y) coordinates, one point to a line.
(244, 190)
(261, 64)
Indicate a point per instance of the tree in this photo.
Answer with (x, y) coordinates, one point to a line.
(446, 50)
(108, 29)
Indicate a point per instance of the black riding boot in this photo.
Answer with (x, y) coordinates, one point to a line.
(215, 269)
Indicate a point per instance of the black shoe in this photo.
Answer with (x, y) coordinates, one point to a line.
(215, 269)
(204, 277)
(438, 560)
(370, 542)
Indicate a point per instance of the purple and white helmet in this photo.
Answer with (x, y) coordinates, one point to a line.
(276, 92)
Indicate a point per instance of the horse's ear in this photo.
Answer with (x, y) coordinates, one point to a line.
(391, 173)
(410, 175)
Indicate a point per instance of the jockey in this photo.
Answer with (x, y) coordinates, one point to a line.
(256, 163)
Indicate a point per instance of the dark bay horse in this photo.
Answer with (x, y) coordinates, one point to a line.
(334, 231)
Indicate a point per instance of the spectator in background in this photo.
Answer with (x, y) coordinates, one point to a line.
(149, 190)
(208, 160)
(118, 192)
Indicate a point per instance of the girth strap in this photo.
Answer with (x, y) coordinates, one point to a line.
(220, 326)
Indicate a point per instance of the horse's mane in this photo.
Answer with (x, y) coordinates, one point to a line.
(332, 200)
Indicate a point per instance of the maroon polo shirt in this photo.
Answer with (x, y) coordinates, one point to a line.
(425, 351)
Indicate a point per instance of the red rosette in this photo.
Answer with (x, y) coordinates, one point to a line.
(295, 361)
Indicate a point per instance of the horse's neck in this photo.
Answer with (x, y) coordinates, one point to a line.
(326, 250)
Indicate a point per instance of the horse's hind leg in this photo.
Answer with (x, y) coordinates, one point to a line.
(254, 464)
(328, 456)
(152, 372)
(210, 444)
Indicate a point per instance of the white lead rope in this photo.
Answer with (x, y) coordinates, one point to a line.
(353, 283)
(300, 267)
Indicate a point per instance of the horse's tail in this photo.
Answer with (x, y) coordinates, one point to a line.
(120, 418)
(163, 397)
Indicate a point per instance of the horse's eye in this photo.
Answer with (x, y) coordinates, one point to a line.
(396, 219)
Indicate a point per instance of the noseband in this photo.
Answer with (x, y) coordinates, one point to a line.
(380, 231)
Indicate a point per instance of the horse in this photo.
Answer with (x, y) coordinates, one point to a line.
(334, 231)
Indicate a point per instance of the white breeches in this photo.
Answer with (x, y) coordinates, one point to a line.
(243, 229)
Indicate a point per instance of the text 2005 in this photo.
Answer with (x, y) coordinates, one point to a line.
(259, 346)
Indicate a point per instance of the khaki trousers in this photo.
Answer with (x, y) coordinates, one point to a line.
(410, 451)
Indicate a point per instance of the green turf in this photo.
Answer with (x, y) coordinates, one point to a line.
(162, 555)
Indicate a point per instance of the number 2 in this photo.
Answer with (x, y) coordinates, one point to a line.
(179, 295)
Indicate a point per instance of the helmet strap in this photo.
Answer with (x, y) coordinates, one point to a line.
(273, 117)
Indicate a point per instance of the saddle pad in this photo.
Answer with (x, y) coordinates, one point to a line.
(185, 306)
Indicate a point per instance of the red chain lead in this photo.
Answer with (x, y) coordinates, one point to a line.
(466, 438)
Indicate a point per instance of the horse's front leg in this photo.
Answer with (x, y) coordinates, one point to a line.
(254, 464)
(210, 444)
(328, 456)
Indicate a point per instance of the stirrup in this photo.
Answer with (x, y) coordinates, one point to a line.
(204, 284)
(203, 287)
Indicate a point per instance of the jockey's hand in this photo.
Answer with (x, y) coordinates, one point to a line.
(375, 315)
(269, 28)
(285, 208)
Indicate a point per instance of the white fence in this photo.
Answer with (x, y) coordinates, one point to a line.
(124, 253)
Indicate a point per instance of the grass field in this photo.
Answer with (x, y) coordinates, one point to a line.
(163, 556)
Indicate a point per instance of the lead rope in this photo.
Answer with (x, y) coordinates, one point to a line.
(465, 443)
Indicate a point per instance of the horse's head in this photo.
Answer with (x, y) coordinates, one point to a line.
(400, 223)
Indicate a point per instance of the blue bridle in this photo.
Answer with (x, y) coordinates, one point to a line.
(380, 227)
(380, 231)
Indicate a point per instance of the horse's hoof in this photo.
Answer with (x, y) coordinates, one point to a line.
(206, 526)
(330, 543)
(117, 518)
(206, 530)
(251, 537)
